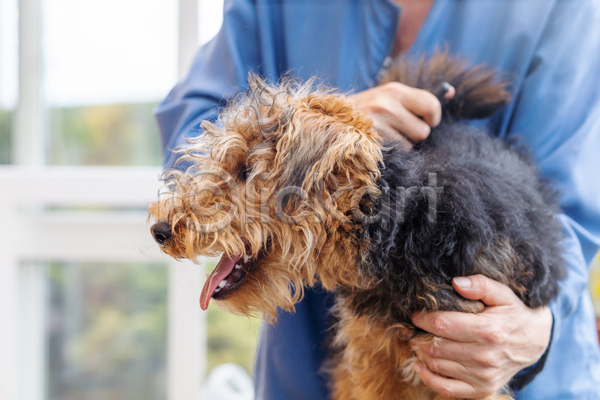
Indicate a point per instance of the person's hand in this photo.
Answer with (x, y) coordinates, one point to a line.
(480, 353)
(400, 111)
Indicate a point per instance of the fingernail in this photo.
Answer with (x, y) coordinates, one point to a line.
(450, 93)
(463, 282)
(445, 87)
(417, 368)
(442, 90)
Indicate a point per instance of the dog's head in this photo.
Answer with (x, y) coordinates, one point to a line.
(274, 189)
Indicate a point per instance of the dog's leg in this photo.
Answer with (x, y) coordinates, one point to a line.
(342, 382)
(367, 368)
(368, 361)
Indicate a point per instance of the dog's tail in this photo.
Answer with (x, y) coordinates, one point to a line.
(479, 89)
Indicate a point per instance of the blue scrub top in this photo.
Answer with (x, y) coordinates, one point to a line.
(550, 49)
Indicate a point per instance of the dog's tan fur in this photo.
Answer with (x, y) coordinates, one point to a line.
(274, 133)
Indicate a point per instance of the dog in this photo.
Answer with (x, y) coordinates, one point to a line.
(292, 187)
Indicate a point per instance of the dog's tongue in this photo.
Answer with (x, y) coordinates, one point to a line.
(223, 268)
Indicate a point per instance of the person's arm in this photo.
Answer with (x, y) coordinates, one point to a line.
(557, 110)
(219, 69)
(245, 44)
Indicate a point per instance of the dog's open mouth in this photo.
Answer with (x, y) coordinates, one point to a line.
(228, 275)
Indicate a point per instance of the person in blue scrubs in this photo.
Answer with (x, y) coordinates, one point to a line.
(549, 49)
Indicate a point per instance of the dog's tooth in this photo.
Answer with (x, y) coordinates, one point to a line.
(222, 283)
(238, 266)
(217, 290)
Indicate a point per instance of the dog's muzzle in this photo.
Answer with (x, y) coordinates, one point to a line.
(161, 231)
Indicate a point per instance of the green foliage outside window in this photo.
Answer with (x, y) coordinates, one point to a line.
(117, 134)
(5, 138)
(107, 331)
(232, 339)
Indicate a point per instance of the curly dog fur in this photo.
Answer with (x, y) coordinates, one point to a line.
(293, 186)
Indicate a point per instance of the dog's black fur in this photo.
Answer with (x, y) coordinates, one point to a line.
(495, 216)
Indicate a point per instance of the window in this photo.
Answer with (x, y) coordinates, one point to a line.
(8, 74)
(107, 331)
(107, 65)
(91, 308)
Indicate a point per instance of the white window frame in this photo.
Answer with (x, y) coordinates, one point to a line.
(28, 234)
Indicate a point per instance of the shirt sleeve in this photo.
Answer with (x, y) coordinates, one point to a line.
(559, 102)
(219, 69)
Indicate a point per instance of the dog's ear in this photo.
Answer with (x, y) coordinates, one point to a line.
(343, 141)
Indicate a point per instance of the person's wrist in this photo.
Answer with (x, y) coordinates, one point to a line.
(527, 374)
(543, 327)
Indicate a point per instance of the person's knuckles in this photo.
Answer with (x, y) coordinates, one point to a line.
(432, 108)
(435, 365)
(422, 103)
(469, 373)
(436, 322)
(440, 325)
(493, 335)
(479, 283)
(384, 108)
(487, 359)
(395, 88)
(418, 131)
(446, 390)
(449, 388)
(484, 376)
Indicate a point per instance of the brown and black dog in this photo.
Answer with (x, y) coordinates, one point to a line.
(292, 186)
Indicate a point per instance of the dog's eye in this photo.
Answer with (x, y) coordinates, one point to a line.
(244, 170)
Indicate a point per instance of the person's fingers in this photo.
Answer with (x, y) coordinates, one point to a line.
(447, 350)
(447, 387)
(422, 103)
(479, 287)
(480, 355)
(389, 134)
(391, 115)
(386, 131)
(411, 126)
(441, 366)
(461, 327)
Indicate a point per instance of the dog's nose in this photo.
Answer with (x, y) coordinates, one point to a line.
(161, 232)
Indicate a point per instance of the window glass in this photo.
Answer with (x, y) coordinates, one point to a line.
(107, 64)
(8, 74)
(107, 331)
